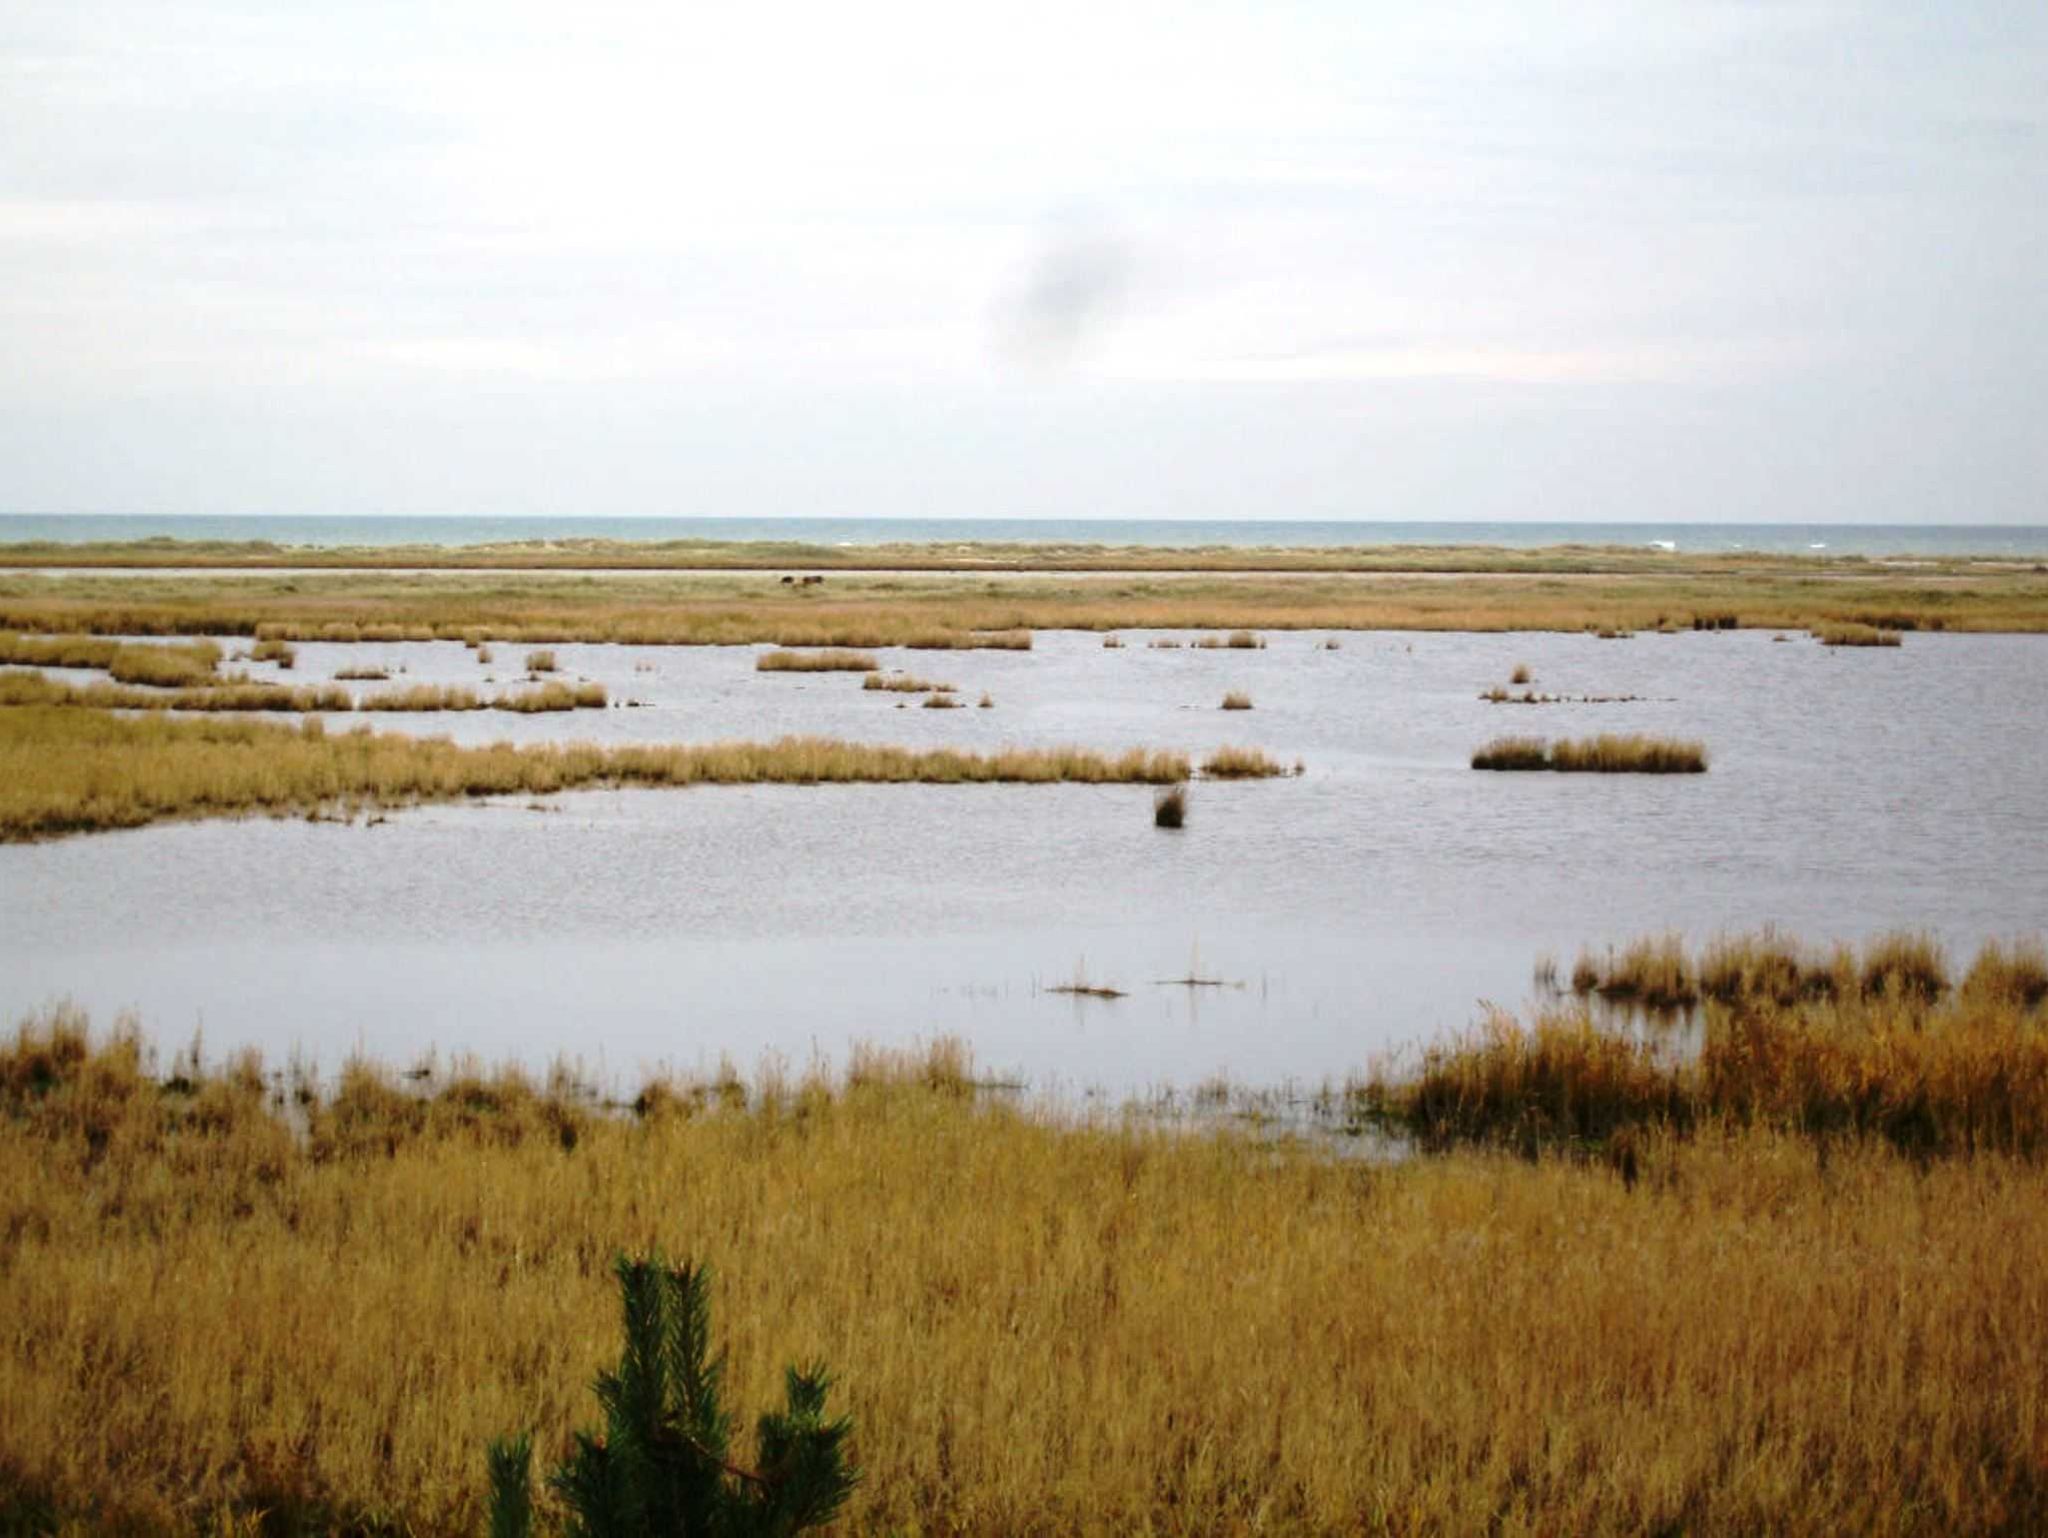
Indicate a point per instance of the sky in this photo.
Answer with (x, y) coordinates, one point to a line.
(1572, 261)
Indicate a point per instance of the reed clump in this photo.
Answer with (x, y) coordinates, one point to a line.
(552, 696)
(1770, 969)
(1608, 753)
(365, 675)
(1231, 763)
(1521, 674)
(2014, 973)
(1654, 972)
(941, 702)
(540, 662)
(1170, 807)
(1854, 634)
(904, 683)
(66, 771)
(423, 697)
(1513, 753)
(283, 653)
(1237, 699)
(829, 661)
(227, 1313)
(1950, 1079)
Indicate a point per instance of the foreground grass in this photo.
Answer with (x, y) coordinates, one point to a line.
(64, 771)
(873, 610)
(215, 1309)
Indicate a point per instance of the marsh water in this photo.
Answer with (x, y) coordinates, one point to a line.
(1372, 902)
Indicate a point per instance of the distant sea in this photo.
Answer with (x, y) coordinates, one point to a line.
(1985, 540)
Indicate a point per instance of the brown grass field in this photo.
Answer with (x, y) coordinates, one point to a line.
(238, 1301)
(70, 771)
(969, 610)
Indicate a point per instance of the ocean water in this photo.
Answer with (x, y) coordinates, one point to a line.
(1955, 540)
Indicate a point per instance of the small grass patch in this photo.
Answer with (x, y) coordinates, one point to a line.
(283, 653)
(423, 697)
(941, 702)
(1854, 634)
(903, 683)
(540, 662)
(1521, 674)
(830, 660)
(1237, 699)
(1228, 763)
(552, 696)
(363, 675)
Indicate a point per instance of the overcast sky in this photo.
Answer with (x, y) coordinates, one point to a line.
(1604, 261)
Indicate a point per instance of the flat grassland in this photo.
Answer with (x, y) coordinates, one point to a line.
(236, 1301)
(869, 609)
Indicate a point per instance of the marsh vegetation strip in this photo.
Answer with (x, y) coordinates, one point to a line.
(64, 771)
(1605, 754)
(986, 613)
(829, 661)
(1038, 1324)
(235, 694)
(1771, 966)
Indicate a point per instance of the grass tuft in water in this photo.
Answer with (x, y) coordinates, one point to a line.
(832, 660)
(1605, 754)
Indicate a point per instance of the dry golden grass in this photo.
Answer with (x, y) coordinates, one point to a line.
(1933, 1074)
(1229, 763)
(904, 683)
(964, 611)
(423, 697)
(1038, 1325)
(831, 661)
(1608, 753)
(280, 652)
(1237, 699)
(64, 771)
(1855, 635)
(2015, 973)
(552, 696)
(227, 694)
(1770, 968)
(175, 666)
(540, 662)
(1656, 973)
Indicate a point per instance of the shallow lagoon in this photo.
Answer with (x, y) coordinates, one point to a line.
(1370, 903)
